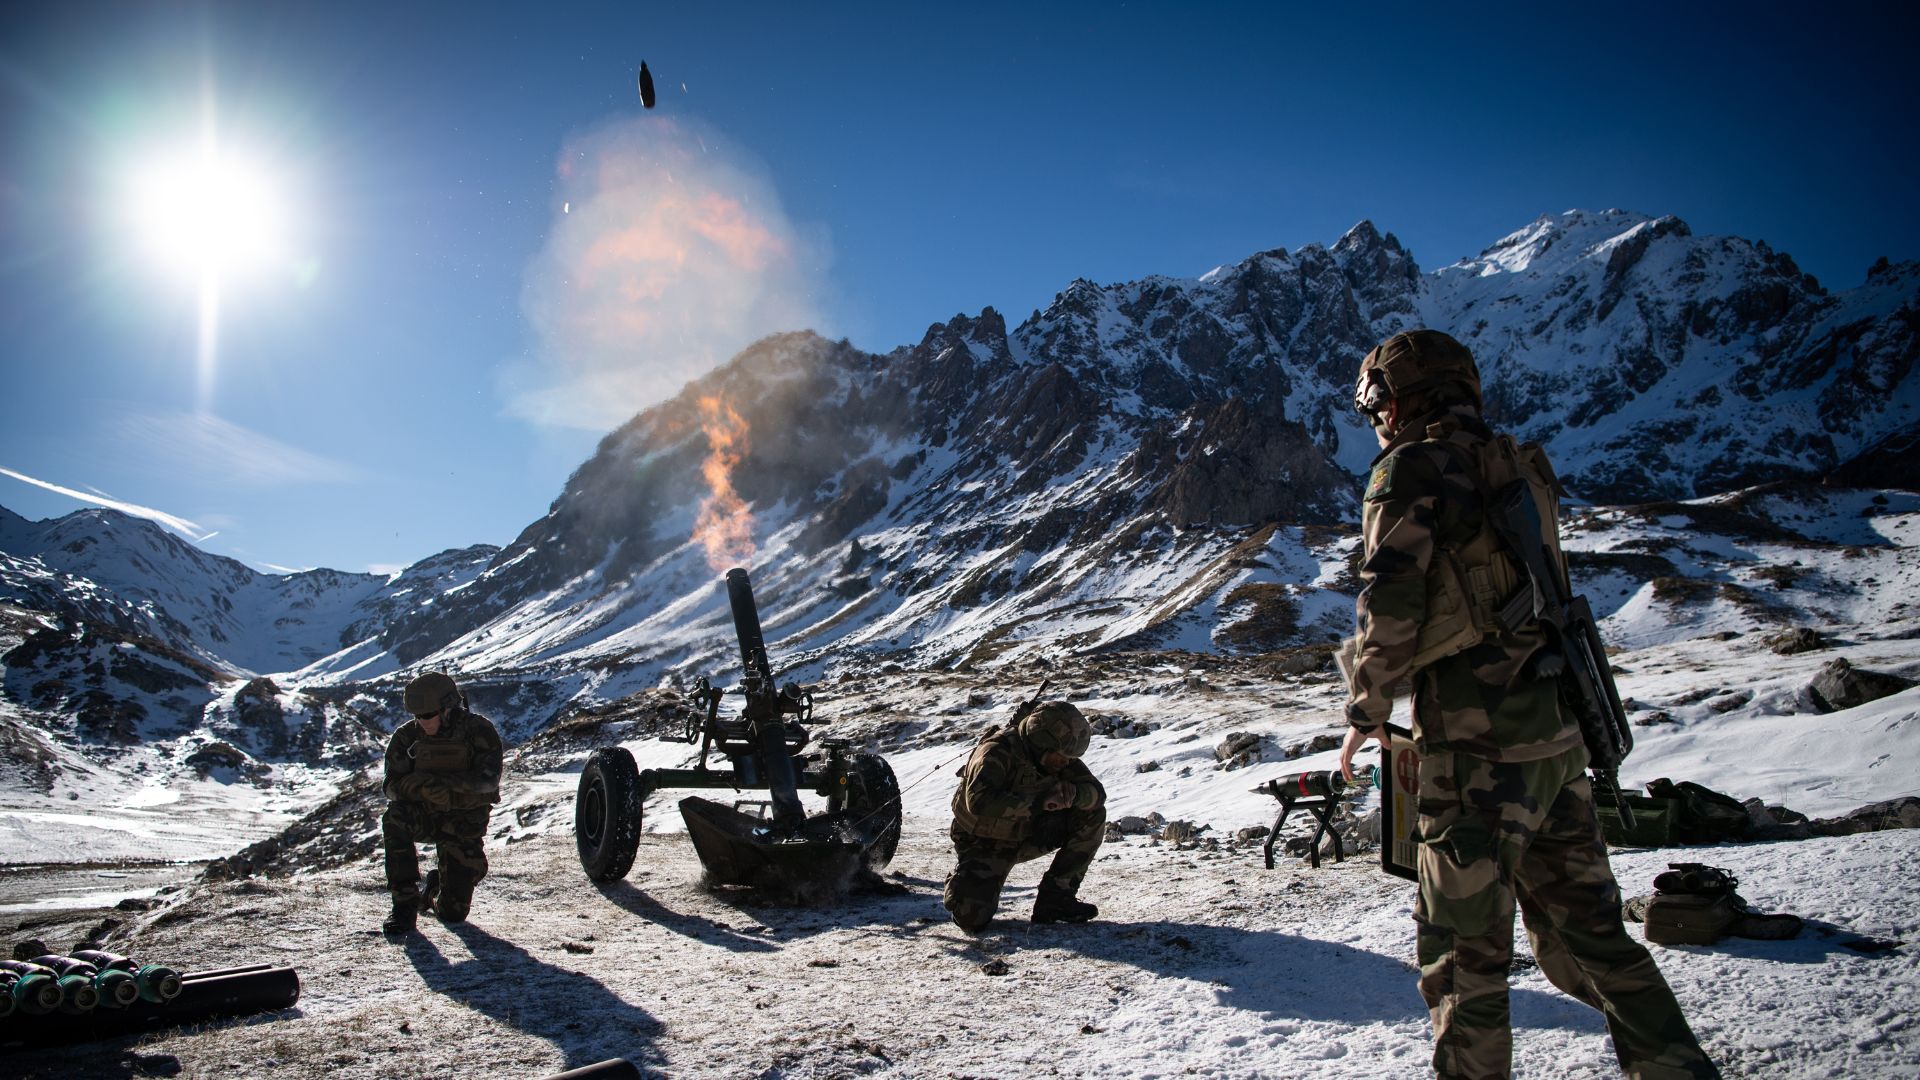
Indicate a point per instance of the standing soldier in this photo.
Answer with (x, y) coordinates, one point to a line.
(1506, 810)
(1025, 793)
(443, 777)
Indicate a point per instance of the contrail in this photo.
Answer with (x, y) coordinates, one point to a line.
(178, 524)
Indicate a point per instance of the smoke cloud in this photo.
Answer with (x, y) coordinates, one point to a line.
(669, 253)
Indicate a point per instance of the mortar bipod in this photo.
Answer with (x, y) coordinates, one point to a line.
(1318, 793)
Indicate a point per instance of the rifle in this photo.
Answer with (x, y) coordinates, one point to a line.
(1580, 659)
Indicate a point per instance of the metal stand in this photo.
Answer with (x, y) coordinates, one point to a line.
(1322, 808)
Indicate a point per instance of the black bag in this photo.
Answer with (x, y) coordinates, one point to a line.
(1705, 816)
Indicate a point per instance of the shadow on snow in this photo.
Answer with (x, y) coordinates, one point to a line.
(584, 1020)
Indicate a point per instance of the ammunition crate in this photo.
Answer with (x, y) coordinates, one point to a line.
(1653, 822)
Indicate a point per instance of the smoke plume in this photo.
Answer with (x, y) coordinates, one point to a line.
(669, 253)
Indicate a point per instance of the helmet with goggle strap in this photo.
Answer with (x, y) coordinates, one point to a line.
(1408, 363)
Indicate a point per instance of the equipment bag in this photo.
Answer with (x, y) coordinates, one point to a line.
(1706, 816)
(1653, 821)
(1689, 918)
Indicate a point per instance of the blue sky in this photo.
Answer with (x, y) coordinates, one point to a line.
(490, 255)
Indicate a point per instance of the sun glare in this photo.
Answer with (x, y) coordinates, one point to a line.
(209, 213)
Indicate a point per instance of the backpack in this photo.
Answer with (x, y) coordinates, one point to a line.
(1478, 588)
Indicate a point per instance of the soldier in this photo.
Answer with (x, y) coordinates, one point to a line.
(1506, 810)
(1024, 793)
(443, 777)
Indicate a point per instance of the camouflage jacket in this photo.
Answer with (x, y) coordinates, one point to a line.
(1474, 690)
(1003, 785)
(463, 760)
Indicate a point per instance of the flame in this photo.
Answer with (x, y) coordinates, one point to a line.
(725, 525)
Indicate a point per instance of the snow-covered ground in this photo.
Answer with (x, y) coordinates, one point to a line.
(1202, 962)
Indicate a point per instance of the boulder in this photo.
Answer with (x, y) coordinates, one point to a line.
(1798, 640)
(1900, 813)
(1839, 685)
(1239, 748)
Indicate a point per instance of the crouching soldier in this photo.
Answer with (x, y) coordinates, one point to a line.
(1025, 793)
(443, 777)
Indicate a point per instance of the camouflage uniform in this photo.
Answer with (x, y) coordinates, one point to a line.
(999, 822)
(1506, 812)
(442, 789)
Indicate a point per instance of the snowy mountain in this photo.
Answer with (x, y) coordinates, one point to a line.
(129, 573)
(1159, 463)
(1162, 464)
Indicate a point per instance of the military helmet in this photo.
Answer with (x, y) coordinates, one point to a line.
(1410, 362)
(431, 692)
(1057, 725)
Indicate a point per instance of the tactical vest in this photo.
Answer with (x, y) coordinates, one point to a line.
(460, 748)
(991, 826)
(441, 755)
(1468, 584)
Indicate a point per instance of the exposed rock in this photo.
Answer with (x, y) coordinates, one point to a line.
(1240, 748)
(1303, 660)
(1839, 685)
(1118, 727)
(1776, 823)
(1900, 813)
(1317, 745)
(1798, 640)
(1180, 832)
(218, 755)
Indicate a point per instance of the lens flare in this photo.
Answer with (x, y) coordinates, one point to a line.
(209, 212)
(725, 525)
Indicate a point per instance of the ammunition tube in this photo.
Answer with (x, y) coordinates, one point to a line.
(34, 989)
(118, 989)
(155, 982)
(77, 994)
(76, 982)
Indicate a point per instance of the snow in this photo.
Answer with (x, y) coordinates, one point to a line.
(1202, 962)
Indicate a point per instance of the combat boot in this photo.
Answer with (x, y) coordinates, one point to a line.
(453, 896)
(404, 918)
(1061, 908)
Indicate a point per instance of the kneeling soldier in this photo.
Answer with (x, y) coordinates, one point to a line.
(443, 777)
(1024, 793)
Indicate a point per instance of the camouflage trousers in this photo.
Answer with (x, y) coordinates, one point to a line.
(456, 834)
(973, 889)
(1493, 834)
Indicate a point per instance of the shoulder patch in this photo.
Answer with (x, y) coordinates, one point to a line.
(1380, 481)
(1403, 474)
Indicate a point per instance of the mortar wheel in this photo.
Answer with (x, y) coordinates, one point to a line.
(871, 789)
(606, 814)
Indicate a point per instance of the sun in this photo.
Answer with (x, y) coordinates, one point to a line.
(209, 212)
